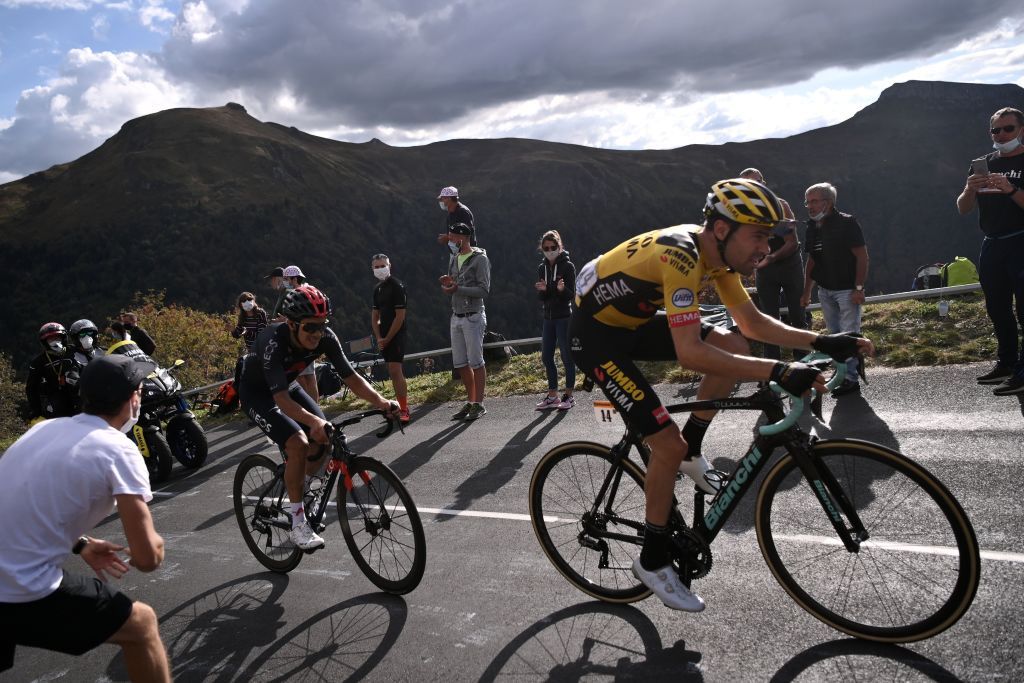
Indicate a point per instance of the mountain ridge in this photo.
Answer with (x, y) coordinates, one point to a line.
(202, 203)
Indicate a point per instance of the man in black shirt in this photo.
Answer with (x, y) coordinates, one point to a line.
(285, 412)
(388, 324)
(48, 392)
(837, 260)
(999, 196)
(458, 212)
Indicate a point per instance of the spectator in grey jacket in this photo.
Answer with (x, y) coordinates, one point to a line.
(468, 282)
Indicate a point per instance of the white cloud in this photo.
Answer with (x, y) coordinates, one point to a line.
(94, 95)
(51, 4)
(197, 22)
(100, 27)
(153, 15)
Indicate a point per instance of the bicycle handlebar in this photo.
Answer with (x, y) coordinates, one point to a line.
(389, 423)
(797, 402)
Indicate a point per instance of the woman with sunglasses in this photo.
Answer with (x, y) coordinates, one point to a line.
(282, 408)
(556, 286)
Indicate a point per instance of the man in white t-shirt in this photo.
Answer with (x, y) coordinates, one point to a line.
(61, 478)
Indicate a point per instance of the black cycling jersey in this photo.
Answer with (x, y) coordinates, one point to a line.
(275, 363)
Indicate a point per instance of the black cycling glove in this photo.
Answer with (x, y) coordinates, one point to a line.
(839, 346)
(796, 378)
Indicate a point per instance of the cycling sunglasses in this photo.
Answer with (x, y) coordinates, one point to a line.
(313, 328)
(1003, 129)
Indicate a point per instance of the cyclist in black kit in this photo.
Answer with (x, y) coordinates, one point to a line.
(281, 408)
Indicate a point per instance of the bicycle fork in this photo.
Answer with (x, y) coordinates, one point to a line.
(833, 498)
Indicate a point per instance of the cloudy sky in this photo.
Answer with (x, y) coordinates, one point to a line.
(652, 74)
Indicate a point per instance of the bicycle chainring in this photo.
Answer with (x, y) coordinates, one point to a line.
(692, 555)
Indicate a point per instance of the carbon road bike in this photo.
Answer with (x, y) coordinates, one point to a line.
(378, 518)
(859, 535)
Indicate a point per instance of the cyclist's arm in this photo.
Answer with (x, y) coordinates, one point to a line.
(296, 412)
(361, 388)
(695, 354)
(144, 544)
(754, 324)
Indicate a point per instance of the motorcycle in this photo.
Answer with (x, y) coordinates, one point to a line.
(185, 439)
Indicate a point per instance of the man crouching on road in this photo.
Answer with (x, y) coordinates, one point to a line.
(61, 478)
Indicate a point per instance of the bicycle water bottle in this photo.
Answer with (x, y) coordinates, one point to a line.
(943, 308)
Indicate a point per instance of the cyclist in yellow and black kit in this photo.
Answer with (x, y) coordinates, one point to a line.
(618, 319)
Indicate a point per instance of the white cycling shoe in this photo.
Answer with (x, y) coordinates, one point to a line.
(305, 538)
(695, 469)
(666, 585)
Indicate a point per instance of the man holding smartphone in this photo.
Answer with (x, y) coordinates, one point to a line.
(995, 188)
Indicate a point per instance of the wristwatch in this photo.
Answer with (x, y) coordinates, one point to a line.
(80, 544)
(859, 288)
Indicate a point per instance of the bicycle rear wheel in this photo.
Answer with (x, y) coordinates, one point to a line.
(914, 577)
(259, 510)
(382, 527)
(563, 495)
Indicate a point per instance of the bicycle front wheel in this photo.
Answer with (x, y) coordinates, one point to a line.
(382, 527)
(574, 527)
(914, 576)
(259, 509)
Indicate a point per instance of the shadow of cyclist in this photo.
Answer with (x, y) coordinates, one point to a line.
(861, 660)
(210, 636)
(853, 417)
(501, 469)
(593, 640)
(344, 642)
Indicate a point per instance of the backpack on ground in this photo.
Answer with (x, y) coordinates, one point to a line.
(959, 271)
(496, 353)
(928, 276)
(226, 401)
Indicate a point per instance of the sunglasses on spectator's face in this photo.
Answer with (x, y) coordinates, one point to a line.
(314, 328)
(548, 250)
(1003, 129)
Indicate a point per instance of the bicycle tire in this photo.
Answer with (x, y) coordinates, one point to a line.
(563, 489)
(382, 527)
(257, 489)
(913, 578)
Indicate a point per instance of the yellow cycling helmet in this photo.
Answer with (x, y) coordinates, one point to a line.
(744, 201)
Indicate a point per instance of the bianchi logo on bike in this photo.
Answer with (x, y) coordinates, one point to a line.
(726, 497)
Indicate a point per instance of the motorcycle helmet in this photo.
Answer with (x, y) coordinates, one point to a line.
(53, 337)
(305, 301)
(83, 328)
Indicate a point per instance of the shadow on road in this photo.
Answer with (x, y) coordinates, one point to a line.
(407, 462)
(853, 417)
(501, 469)
(860, 660)
(593, 640)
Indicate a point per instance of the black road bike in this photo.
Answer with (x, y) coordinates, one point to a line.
(378, 518)
(859, 535)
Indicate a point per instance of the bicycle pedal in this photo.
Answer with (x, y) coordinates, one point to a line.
(320, 528)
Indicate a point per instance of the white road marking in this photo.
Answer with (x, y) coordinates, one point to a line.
(996, 555)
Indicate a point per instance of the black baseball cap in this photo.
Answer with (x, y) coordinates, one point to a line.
(460, 229)
(111, 380)
(276, 272)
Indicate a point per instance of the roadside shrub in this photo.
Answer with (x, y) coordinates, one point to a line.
(12, 396)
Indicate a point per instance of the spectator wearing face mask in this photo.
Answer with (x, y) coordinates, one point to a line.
(387, 320)
(126, 328)
(82, 348)
(284, 280)
(251, 319)
(457, 212)
(556, 286)
(46, 388)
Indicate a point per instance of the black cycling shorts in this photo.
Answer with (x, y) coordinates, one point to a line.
(261, 407)
(605, 354)
(394, 352)
(81, 614)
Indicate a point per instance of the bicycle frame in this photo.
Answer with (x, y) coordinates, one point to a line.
(708, 524)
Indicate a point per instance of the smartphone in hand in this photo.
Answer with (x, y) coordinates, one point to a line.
(979, 166)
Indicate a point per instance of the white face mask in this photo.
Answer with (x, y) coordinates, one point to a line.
(248, 305)
(134, 417)
(1007, 147)
(819, 216)
(552, 255)
(382, 273)
(86, 342)
(55, 346)
(444, 207)
(453, 247)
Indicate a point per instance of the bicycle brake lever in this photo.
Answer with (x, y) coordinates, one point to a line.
(389, 426)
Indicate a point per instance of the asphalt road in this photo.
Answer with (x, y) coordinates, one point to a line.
(492, 607)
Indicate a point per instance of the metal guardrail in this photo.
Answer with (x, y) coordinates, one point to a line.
(934, 293)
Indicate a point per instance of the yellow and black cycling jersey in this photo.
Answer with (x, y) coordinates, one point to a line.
(626, 286)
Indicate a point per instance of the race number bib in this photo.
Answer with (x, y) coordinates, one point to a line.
(604, 412)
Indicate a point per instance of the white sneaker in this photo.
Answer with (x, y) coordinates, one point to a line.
(695, 469)
(666, 585)
(305, 538)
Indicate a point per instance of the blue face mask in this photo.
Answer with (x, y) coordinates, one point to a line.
(453, 247)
